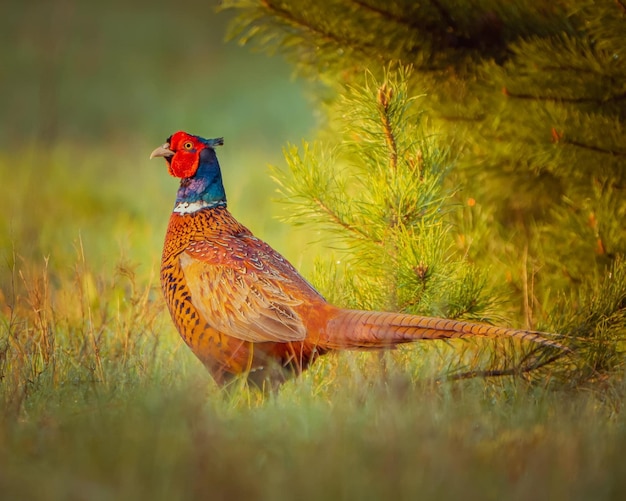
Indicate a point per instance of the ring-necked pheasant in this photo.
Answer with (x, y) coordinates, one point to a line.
(243, 308)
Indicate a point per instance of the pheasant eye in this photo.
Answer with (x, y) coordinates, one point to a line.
(188, 145)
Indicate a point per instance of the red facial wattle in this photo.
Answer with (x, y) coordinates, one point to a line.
(186, 157)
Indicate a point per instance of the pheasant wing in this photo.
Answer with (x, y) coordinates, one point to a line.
(245, 289)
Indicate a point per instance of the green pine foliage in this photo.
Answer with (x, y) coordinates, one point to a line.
(505, 179)
(379, 189)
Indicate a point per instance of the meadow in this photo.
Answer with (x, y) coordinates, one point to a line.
(100, 399)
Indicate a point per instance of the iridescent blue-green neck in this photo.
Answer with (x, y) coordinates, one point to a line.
(204, 188)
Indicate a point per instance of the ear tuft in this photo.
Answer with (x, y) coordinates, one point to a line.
(218, 141)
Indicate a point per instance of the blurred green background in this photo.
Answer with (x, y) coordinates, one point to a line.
(90, 88)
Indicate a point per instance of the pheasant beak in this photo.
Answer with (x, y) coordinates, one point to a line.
(162, 151)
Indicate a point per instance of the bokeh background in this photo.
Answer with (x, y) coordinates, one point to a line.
(88, 89)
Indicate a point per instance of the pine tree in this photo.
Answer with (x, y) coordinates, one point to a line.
(505, 179)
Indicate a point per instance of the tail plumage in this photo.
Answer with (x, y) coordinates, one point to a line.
(374, 329)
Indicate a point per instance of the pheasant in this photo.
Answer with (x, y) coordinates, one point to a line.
(242, 308)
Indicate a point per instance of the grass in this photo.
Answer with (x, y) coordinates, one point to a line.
(100, 399)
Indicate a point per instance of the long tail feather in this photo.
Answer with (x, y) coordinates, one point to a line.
(374, 329)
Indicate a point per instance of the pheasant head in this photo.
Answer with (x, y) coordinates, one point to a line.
(192, 158)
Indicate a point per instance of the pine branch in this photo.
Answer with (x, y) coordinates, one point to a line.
(304, 24)
(385, 94)
(338, 220)
(577, 70)
(409, 22)
(591, 147)
(385, 14)
(577, 100)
